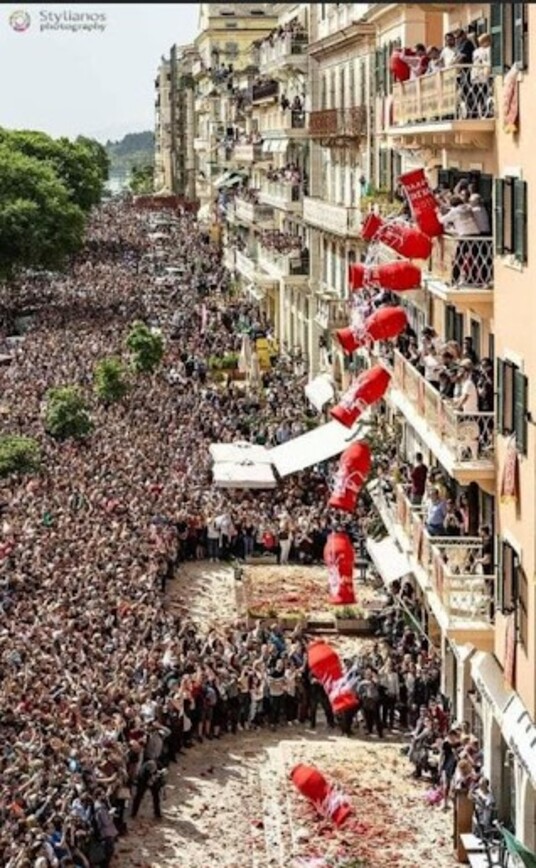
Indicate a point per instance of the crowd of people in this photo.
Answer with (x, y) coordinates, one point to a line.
(471, 54)
(89, 544)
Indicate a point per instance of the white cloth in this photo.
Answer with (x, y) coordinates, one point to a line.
(448, 56)
(460, 221)
(469, 392)
(481, 68)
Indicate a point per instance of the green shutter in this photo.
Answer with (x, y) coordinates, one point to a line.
(499, 582)
(518, 26)
(378, 71)
(449, 322)
(499, 379)
(496, 32)
(499, 217)
(520, 220)
(387, 77)
(520, 410)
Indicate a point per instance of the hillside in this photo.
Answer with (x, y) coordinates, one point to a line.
(134, 149)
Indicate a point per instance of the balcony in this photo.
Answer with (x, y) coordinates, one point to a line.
(460, 272)
(290, 51)
(282, 195)
(444, 108)
(462, 442)
(247, 264)
(331, 311)
(198, 69)
(337, 219)
(265, 92)
(445, 568)
(289, 266)
(200, 144)
(278, 126)
(247, 153)
(251, 212)
(338, 126)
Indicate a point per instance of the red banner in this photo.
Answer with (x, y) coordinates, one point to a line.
(422, 202)
(510, 474)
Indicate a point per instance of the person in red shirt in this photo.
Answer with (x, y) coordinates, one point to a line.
(438, 716)
(418, 476)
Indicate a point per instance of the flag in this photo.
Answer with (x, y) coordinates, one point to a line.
(518, 850)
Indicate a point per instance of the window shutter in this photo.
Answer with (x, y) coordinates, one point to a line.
(520, 410)
(520, 220)
(388, 79)
(518, 34)
(499, 217)
(449, 322)
(496, 32)
(499, 582)
(499, 379)
(378, 71)
(508, 577)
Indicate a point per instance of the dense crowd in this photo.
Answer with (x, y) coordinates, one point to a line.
(89, 544)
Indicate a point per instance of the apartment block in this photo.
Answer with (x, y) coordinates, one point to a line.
(312, 130)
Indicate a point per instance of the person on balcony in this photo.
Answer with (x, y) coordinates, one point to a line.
(435, 514)
(448, 52)
(453, 524)
(465, 47)
(481, 77)
(460, 221)
(418, 476)
(466, 395)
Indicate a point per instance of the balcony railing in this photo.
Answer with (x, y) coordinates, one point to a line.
(338, 123)
(446, 565)
(283, 123)
(463, 262)
(266, 90)
(330, 312)
(448, 94)
(467, 436)
(246, 264)
(283, 264)
(250, 212)
(288, 50)
(282, 194)
(339, 219)
(247, 153)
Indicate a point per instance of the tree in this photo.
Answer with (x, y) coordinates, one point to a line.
(98, 152)
(66, 414)
(110, 382)
(147, 348)
(142, 179)
(75, 164)
(39, 224)
(18, 455)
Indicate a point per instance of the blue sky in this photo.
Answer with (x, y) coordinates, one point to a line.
(94, 83)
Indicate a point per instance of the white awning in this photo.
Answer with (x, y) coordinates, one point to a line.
(318, 445)
(239, 451)
(320, 391)
(489, 680)
(390, 562)
(520, 732)
(243, 475)
(268, 146)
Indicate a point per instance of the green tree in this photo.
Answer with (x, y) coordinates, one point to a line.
(75, 164)
(39, 224)
(18, 455)
(147, 348)
(66, 414)
(98, 152)
(110, 380)
(142, 179)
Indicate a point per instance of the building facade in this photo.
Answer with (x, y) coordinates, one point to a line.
(315, 134)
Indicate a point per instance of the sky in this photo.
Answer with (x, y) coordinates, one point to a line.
(98, 83)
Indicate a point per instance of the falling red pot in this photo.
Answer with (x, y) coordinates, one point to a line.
(397, 276)
(400, 236)
(368, 388)
(422, 202)
(339, 559)
(313, 785)
(383, 325)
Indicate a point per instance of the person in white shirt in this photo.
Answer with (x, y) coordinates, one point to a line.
(459, 219)
(467, 398)
(448, 53)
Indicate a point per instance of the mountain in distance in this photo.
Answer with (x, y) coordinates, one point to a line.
(134, 149)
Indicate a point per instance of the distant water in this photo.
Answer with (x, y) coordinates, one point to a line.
(117, 183)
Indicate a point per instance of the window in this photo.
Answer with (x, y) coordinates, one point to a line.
(362, 83)
(324, 92)
(258, 13)
(231, 25)
(453, 324)
(509, 36)
(512, 392)
(342, 88)
(512, 589)
(511, 218)
(476, 336)
(227, 13)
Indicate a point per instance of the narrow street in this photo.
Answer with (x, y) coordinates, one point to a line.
(229, 803)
